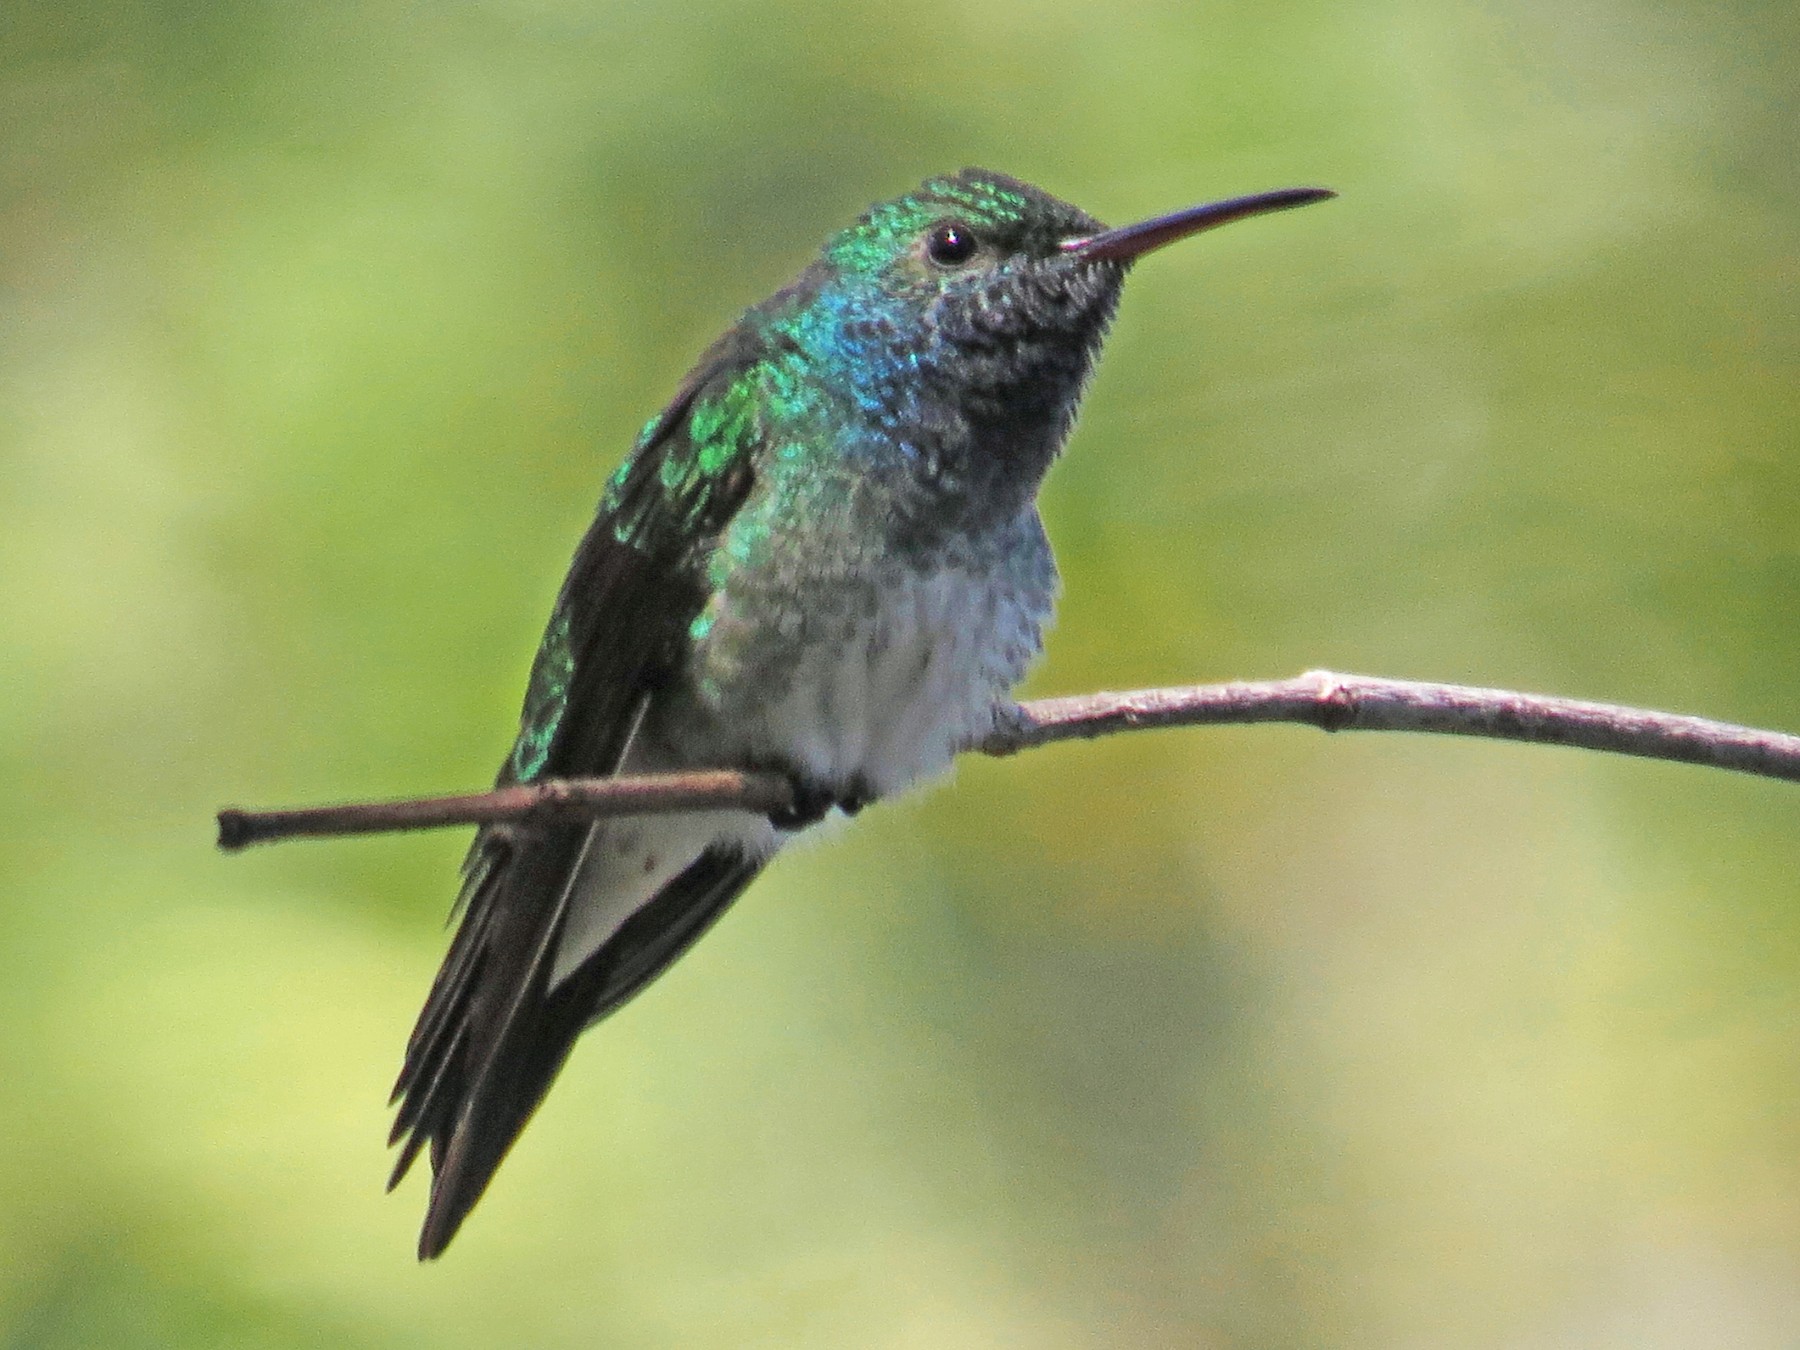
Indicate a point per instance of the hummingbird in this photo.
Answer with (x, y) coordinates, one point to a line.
(822, 559)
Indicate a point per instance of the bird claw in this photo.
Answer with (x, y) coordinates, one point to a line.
(812, 803)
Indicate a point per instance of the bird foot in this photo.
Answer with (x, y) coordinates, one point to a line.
(813, 802)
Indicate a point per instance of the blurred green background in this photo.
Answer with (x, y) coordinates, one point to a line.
(320, 326)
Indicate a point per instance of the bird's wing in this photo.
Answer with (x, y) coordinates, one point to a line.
(496, 1027)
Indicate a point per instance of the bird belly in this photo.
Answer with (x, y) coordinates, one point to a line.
(912, 671)
(899, 696)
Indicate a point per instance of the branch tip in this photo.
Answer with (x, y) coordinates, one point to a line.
(234, 829)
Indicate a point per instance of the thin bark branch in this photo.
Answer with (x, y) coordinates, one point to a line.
(1318, 698)
(555, 799)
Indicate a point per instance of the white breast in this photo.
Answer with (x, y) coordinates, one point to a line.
(916, 679)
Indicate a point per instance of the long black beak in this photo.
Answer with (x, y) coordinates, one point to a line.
(1133, 241)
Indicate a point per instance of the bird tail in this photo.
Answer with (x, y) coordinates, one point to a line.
(499, 1021)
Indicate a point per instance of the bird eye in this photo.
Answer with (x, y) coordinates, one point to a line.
(950, 244)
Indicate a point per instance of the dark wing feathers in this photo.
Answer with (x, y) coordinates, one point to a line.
(493, 1033)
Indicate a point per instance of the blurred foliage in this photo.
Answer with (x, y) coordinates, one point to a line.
(320, 326)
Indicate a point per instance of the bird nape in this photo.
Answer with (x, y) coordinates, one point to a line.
(823, 559)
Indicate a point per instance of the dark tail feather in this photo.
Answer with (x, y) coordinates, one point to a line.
(511, 907)
(494, 1034)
